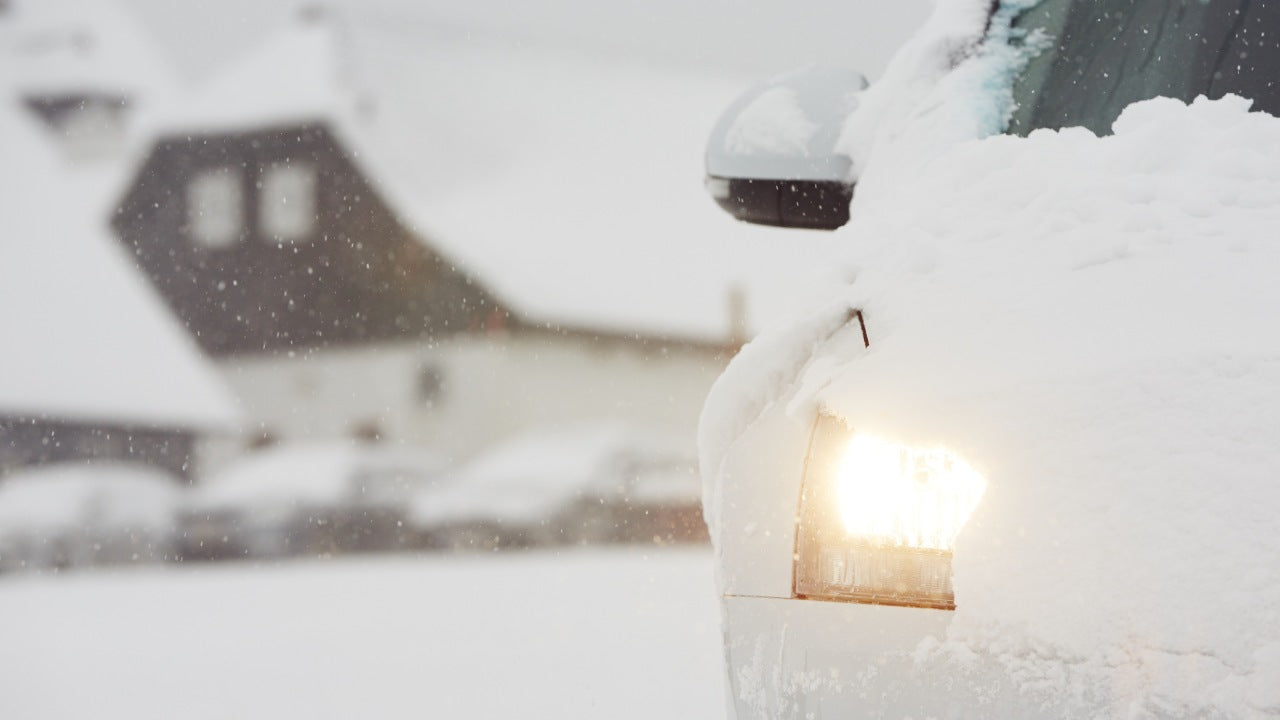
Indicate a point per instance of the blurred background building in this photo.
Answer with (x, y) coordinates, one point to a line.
(375, 275)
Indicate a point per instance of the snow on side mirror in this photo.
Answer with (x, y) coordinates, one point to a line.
(771, 158)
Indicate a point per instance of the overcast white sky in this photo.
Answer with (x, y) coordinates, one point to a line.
(747, 37)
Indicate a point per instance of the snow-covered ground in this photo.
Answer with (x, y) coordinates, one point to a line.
(598, 633)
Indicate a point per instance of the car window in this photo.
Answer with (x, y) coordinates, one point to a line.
(1101, 55)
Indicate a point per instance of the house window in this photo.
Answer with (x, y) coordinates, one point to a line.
(215, 207)
(287, 207)
(430, 384)
(263, 438)
(367, 431)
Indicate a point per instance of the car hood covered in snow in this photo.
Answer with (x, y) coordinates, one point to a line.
(1085, 319)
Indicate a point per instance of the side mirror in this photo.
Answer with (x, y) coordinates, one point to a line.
(771, 158)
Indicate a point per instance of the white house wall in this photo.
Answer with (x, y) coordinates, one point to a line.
(490, 386)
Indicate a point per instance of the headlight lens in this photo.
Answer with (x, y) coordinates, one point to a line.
(878, 520)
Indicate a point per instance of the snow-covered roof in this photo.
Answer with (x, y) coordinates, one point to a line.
(568, 184)
(84, 335)
(74, 46)
(296, 77)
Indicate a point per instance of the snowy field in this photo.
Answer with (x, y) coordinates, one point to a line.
(623, 633)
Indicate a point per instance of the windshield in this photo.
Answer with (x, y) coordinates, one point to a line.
(1101, 55)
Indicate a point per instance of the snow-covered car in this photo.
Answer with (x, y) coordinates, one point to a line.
(1025, 464)
(78, 514)
(607, 482)
(307, 499)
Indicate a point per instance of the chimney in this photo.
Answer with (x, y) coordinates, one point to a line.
(309, 13)
(346, 70)
(737, 303)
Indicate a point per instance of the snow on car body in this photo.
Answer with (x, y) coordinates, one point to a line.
(1082, 319)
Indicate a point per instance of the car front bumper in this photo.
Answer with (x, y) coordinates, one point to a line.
(810, 660)
(805, 658)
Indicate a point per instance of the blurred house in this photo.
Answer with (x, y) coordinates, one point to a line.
(381, 228)
(271, 214)
(92, 366)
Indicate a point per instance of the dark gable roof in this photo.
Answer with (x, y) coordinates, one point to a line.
(359, 276)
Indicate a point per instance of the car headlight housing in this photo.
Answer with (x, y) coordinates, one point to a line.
(878, 520)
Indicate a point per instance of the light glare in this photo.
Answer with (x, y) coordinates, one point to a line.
(895, 495)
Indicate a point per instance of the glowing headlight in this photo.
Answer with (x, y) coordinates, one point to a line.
(878, 520)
